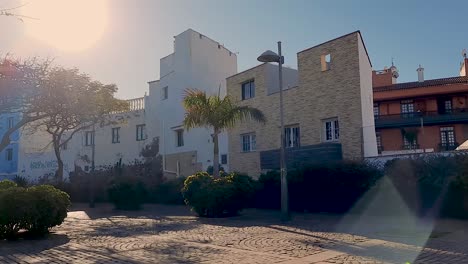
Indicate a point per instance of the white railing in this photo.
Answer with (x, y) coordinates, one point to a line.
(136, 104)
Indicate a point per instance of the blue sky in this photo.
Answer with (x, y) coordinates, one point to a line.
(430, 33)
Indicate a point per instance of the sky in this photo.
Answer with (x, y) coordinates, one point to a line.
(121, 41)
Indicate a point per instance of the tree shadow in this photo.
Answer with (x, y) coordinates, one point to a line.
(33, 246)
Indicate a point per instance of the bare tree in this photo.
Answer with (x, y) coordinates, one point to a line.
(72, 102)
(11, 12)
(21, 81)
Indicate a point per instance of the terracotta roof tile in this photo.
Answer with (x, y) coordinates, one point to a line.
(433, 82)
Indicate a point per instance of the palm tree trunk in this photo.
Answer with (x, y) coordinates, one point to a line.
(216, 154)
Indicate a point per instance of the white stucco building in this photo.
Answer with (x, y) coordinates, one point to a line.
(120, 142)
(197, 62)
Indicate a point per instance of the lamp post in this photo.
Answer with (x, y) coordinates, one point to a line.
(270, 56)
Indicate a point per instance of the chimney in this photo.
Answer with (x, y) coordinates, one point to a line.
(464, 67)
(420, 71)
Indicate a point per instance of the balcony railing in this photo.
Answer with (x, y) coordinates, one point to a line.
(448, 146)
(410, 147)
(422, 118)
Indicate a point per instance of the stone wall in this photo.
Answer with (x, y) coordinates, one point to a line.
(320, 95)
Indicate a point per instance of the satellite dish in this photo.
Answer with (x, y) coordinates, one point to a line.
(464, 53)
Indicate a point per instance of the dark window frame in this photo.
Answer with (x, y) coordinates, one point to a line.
(115, 135)
(141, 132)
(9, 154)
(89, 138)
(179, 138)
(250, 86)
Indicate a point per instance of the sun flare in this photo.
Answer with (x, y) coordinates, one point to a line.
(69, 25)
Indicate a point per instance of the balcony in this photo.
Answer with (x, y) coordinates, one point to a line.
(421, 118)
(448, 146)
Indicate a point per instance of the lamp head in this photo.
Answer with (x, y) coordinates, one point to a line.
(269, 56)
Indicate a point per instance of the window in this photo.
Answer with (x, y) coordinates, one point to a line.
(140, 132)
(180, 137)
(407, 108)
(248, 142)
(448, 106)
(447, 137)
(64, 145)
(11, 122)
(379, 142)
(291, 136)
(224, 159)
(248, 90)
(9, 154)
(331, 130)
(116, 135)
(164, 93)
(376, 110)
(407, 144)
(326, 62)
(89, 138)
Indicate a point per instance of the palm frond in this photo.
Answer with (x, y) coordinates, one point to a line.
(212, 111)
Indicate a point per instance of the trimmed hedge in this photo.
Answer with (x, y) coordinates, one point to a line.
(167, 192)
(328, 187)
(34, 209)
(217, 197)
(432, 185)
(127, 193)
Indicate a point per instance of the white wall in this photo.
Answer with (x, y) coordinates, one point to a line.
(128, 150)
(198, 63)
(367, 103)
(37, 158)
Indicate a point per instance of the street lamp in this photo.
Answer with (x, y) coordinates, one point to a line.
(270, 56)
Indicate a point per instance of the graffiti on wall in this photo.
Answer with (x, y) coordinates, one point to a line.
(50, 164)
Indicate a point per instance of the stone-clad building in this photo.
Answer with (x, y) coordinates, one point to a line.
(328, 108)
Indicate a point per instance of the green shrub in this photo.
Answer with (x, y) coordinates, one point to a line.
(50, 208)
(168, 192)
(326, 187)
(21, 181)
(15, 211)
(5, 184)
(35, 209)
(127, 193)
(216, 197)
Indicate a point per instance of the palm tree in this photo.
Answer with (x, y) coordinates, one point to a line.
(213, 112)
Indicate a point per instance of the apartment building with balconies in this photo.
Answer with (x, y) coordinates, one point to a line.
(421, 116)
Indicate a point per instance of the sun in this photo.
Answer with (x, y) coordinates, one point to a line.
(69, 25)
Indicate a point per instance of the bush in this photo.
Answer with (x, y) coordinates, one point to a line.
(127, 193)
(49, 208)
(168, 192)
(35, 209)
(5, 184)
(21, 181)
(432, 185)
(328, 187)
(217, 197)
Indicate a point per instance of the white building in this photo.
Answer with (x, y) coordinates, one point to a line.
(120, 142)
(198, 62)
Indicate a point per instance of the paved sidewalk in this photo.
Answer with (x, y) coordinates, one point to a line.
(171, 234)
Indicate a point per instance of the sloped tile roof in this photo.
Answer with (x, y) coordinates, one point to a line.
(433, 82)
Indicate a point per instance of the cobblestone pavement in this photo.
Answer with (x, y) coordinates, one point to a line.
(165, 234)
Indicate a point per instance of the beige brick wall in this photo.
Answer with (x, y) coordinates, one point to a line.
(320, 95)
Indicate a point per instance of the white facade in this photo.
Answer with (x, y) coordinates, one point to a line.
(197, 63)
(37, 158)
(367, 103)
